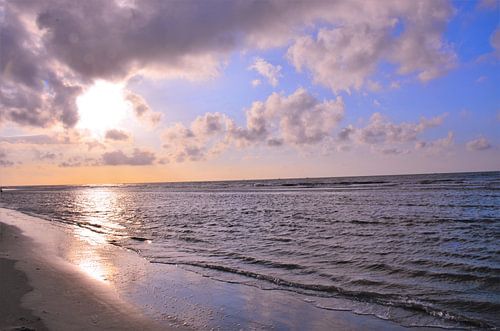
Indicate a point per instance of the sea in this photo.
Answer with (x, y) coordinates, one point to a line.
(419, 250)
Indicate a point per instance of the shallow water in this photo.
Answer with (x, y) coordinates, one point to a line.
(421, 250)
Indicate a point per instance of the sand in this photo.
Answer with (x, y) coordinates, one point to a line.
(40, 294)
(13, 286)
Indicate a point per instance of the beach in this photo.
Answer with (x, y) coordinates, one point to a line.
(44, 292)
(47, 289)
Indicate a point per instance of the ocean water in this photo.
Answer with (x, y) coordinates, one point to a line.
(421, 250)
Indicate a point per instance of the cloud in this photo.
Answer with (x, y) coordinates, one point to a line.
(408, 34)
(481, 79)
(204, 137)
(52, 50)
(298, 119)
(488, 4)
(267, 70)
(392, 151)
(479, 144)
(437, 146)
(495, 41)
(386, 137)
(138, 158)
(4, 161)
(256, 82)
(33, 91)
(79, 161)
(117, 135)
(41, 139)
(142, 110)
(379, 130)
(45, 156)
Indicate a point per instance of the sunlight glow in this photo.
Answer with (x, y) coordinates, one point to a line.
(102, 107)
(93, 269)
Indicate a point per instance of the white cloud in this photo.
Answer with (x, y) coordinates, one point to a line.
(298, 119)
(380, 130)
(386, 137)
(437, 146)
(256, 82)
(204, 137)
(479, 144)
(345, 56)
(142, 110)
(267, 70)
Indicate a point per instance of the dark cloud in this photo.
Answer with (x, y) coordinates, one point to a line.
(32, 91)
(46, 156)
(117, 135)
(109, 39)
(78, 161)
(4, 161)
(138, 157)
(44, 66)
(275, 142)
(142, 109)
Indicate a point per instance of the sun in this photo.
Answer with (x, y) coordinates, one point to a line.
(102, 107)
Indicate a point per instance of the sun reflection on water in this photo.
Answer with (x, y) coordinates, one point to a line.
(90, 250)
(94, 269)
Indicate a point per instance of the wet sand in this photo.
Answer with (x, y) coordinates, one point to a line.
(13, 286)
(37, 294)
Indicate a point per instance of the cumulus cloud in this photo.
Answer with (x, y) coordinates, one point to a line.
(479, 144)
(437, 146)
(205, 136)
(298, 119)
(141, 108)
(345, 56)
(117, 135)
(386, 137)
(380, 130)
(271, 72)
(137, 158)
(52, 50)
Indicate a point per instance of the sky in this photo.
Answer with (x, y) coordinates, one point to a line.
(153, 91)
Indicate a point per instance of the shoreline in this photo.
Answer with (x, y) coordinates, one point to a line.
(46, 293)
(81, 282)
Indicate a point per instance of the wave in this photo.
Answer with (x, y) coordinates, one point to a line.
(391, 300)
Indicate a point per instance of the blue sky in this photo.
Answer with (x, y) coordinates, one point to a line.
(253, 91)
